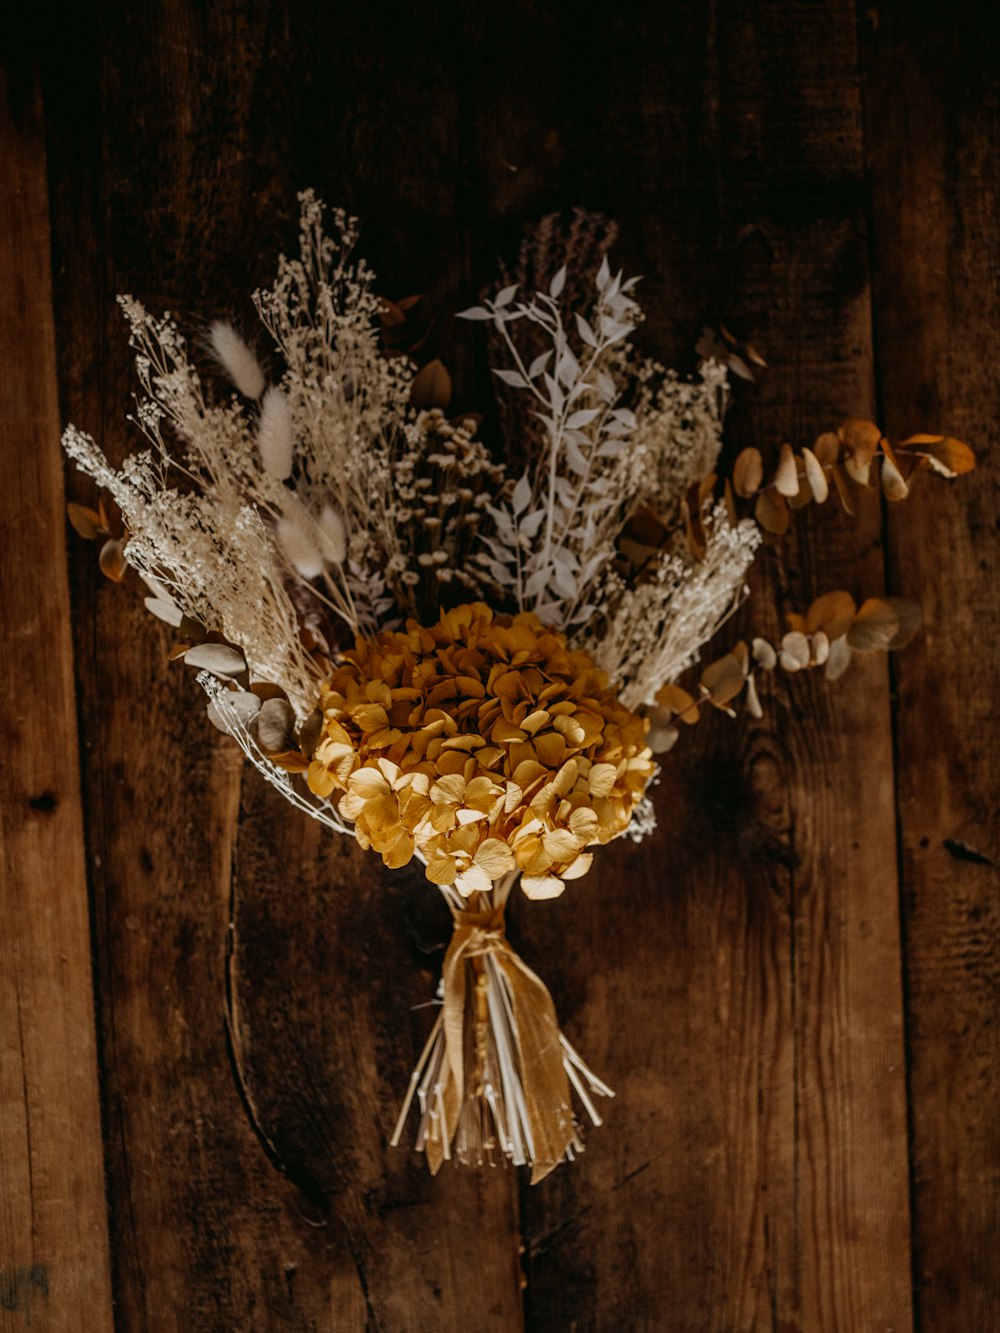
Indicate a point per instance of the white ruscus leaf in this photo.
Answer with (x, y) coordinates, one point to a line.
(522, 494)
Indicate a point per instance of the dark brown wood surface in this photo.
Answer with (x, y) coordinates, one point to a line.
(793, 985)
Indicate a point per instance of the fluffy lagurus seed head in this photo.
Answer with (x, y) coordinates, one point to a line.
(485, 744)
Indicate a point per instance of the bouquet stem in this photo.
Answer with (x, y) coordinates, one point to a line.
(493, 1080)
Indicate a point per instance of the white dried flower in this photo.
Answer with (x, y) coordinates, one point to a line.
(332, 535)
(275, 435)
(236, 359)
(298, 545)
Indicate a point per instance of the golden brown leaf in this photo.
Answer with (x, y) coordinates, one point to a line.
(730, 502)
(833, 613)
(786, 478)
(312, 730)
(694, 527)
(815, 476)
(910, 619)
(390, 314)
(85, 521)
(861, 441)
(805, 495)
(748, 473)
(723, 679)
(292, 761)
(894, 485)
(843, 494)
(772, 512)
(680, 703)
(431, 386)
(875, 626)
(266, 689)
(112, 559)
(192, 630)
(944, 455)
(827, 447)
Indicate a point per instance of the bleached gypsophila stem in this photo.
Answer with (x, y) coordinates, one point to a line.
(348, 402)
(660, 625)
(217, 559)
(230, 463)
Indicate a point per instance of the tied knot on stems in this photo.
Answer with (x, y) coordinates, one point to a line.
(493, 1081)
(479, 933)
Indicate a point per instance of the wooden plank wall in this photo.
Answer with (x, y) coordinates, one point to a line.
(793, 986)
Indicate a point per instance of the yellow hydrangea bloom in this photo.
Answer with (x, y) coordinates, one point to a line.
(485, 743)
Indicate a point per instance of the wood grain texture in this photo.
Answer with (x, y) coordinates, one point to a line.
(932, 128)
(254, 1058)
(739, 978)
(54, 1263)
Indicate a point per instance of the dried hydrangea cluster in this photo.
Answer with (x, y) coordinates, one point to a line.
(485, 745)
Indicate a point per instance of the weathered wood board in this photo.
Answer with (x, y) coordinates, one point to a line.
(793, 985)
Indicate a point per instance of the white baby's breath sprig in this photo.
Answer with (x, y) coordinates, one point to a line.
(654, 628)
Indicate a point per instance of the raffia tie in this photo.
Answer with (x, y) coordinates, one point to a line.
(543, 1076)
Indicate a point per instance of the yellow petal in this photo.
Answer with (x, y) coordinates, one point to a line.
(367, 783)
(448, 790)
(473, 880)
(351, 806)
(505, 732)
(583, 824)
(535, 721)
(527, 773)
(320, 780)
(399, 851)
(571, 730)
(550, 748)
(602, 779)
(560, 845)
(468, 816)
(538, 887)
(381, 814)
(495, 857)
(441, 870)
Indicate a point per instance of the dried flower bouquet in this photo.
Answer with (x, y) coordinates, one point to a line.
(455, 657)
